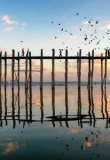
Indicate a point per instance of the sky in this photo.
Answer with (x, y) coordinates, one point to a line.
(58, 24)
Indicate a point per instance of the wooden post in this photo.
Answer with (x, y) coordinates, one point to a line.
(89, 69)
(92, 69)
(78, 67)
(30, 69)
(79, 79)
(53, 69)
(0, 69)
(26, 71)
(13, 64)
(66, 69)
(18, 71)
(5, 69)
(105, 77)
(41, 69)
(101, 71)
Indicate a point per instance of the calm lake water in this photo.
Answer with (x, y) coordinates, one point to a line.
(55, 124)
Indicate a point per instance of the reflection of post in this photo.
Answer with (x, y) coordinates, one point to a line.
(66, 105)
(53, 105)
(106, 111)
(13, 109)
(92, 105)
(5, 105)
(26, 103)
(0, 69)
(53, 68)
(0, 108)
(18, 71)
(30, 101)
(79, 105)
(89, 102)
(19, 105)
(13, 64)
(41, 104)
(66, 69)
(41, 69)
(5, 69)
(102, 93)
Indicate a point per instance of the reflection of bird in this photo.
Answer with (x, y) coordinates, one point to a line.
(21, 41)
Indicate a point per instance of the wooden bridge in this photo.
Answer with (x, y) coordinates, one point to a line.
(28, 67)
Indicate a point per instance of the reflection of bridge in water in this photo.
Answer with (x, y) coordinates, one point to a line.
(27, 115)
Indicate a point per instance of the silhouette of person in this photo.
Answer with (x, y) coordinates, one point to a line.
(60, 55)
(22, 52)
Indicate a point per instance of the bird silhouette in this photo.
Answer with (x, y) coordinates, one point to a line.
(77, 14)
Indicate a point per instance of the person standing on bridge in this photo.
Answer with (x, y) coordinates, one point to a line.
(60, 55)
(22, 52)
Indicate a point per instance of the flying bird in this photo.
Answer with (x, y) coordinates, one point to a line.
(77, 14)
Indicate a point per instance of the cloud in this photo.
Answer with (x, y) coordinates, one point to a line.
(9, 147)
(86, 22)
(53, 40)
(8, 29)
(105, 27)
(6, 20)
(23, 24)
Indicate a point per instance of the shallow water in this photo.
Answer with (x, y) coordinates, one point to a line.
(29, 128)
